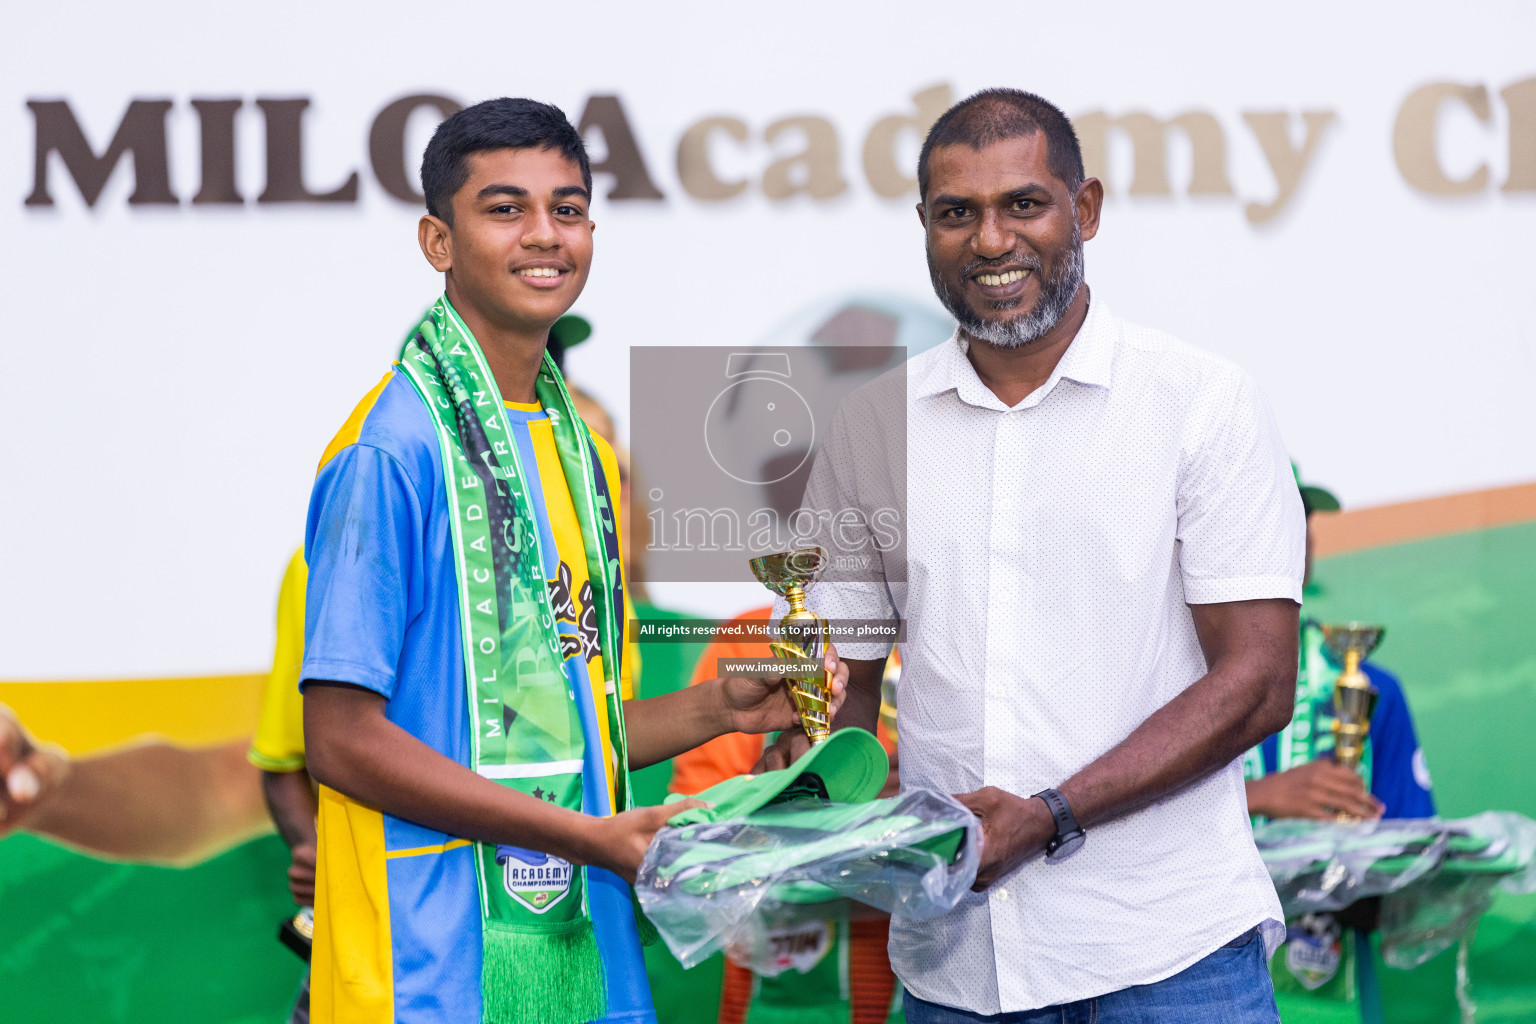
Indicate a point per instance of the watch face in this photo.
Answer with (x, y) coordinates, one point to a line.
(1068, 845)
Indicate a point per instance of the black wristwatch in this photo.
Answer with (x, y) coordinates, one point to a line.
(1068, 838)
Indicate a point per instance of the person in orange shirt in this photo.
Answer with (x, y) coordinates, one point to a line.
(819, 989)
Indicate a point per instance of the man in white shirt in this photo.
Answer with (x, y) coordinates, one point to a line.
(1100, 579)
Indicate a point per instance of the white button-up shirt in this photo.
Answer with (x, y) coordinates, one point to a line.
(1052, 551)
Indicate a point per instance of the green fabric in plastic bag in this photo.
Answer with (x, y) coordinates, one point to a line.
(709, 884)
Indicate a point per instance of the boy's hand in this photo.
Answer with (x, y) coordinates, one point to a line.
(301, 875)
(1318, 789)
(622, 840)
(765, 705)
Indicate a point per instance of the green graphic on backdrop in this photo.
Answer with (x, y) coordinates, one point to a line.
(125, 944)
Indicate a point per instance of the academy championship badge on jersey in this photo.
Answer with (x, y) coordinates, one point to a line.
(536, 880)
(1314, 947)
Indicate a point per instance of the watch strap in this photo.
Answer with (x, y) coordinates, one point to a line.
(1068, 832)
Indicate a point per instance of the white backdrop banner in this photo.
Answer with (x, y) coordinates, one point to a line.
(209, 222)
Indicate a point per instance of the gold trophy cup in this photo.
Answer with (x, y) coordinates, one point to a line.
(1354, 698)
(802, 633)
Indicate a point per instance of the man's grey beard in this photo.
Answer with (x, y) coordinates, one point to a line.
(1056, 294)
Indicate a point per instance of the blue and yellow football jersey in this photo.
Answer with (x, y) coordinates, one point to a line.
(397, 911)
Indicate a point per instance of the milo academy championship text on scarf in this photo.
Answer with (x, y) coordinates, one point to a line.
(533, 730)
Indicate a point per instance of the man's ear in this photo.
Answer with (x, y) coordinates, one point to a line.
(436, 239)
(1087, 204)
(922, 215)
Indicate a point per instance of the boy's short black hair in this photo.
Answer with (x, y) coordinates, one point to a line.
(993, 115)
(504, 123)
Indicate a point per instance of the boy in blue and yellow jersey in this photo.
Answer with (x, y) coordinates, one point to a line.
(464, 635)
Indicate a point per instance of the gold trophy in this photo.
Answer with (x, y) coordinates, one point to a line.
(802, 633)
(1354, 698)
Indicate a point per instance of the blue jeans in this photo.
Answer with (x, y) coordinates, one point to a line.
(1231, 986)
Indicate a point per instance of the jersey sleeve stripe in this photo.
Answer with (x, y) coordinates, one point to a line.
(423, 851)
(353, 429)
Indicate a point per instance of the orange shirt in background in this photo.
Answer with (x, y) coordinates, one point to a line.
(734, 753)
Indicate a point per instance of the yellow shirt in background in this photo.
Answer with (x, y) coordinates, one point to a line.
(279, 742)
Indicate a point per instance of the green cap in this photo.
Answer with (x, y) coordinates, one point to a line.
(570, 330)
(850, 767)
(1314, 499)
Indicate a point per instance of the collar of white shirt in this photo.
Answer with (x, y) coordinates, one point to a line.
(1088, 360)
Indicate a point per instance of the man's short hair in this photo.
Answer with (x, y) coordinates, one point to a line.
(994, 115)
(494, 124)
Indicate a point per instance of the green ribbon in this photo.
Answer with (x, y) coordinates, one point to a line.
(541, 961)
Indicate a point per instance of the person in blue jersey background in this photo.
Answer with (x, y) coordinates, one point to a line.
(1394, 781)
(387, 718)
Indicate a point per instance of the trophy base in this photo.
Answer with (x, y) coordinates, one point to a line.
(297, 933)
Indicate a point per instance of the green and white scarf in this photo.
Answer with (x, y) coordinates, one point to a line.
(541, 961)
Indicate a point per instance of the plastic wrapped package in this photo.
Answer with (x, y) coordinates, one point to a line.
(1319, 865)
(731, 883)
(1435, 878)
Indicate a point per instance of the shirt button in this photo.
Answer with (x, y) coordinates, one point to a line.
(1002, 893)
